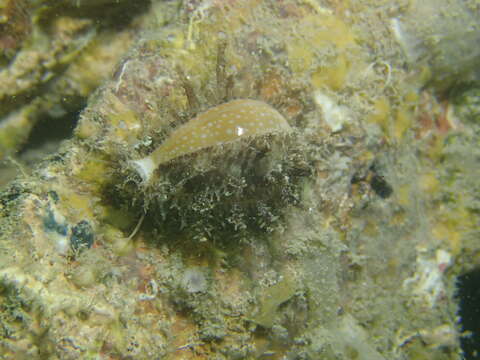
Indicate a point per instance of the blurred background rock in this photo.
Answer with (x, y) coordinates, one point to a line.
(53, 55)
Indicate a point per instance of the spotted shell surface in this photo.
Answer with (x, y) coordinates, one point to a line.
(221, 124)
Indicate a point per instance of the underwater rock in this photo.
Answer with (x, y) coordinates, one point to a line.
(53, 55)
(325, 234)
(443, 36)
(15, 26)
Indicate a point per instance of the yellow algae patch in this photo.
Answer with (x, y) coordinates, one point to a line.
(314, 33)
(449, 233)
(272, 298)
(394, 122)
(429, 183)
(78, 206)
(381, 113)
(86, 128)
(453, 223)
(219, 125)
(403, 122)
(125, 122)
(412, 97)
(332, 76)
(196, 48)
(93, 171)
(403, 195)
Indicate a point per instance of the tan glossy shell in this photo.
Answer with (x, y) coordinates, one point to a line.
(221, 124)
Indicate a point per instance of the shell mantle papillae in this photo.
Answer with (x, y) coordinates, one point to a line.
(218, 125)
(227, 172)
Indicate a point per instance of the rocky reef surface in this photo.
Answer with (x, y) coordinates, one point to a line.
(256, 179)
